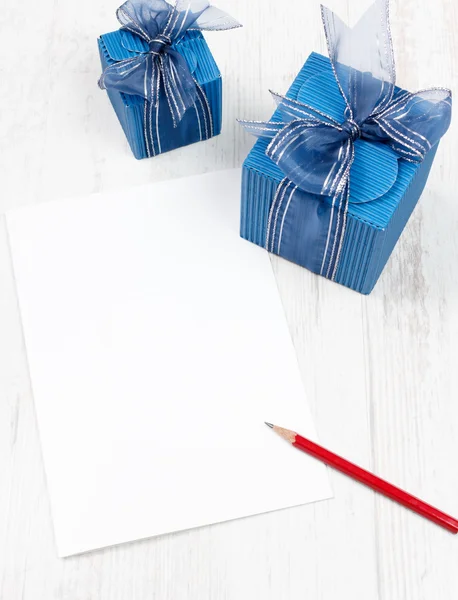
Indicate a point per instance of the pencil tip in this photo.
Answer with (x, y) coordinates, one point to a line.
(269, 424)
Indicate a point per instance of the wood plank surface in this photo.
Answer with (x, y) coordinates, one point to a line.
(380, 372)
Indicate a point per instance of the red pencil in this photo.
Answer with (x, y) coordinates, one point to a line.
(369, 479)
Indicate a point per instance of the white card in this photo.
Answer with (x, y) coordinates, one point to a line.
(157, 348)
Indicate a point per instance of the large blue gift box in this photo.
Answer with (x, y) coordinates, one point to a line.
(199, 123)
(375, 220)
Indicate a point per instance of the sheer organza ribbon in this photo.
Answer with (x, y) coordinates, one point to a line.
(316, 152)
(160, 67)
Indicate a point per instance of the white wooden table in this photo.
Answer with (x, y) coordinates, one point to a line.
(391, 401)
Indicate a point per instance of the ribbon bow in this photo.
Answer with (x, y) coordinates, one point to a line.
(316, 152)
(160, 25)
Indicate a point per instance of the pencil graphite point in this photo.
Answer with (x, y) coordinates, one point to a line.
(269, 424)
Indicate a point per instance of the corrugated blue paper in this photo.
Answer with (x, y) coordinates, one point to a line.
(373, 228)
(130, 109)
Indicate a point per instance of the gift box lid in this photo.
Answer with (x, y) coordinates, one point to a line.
(121, 44)
(379, 178)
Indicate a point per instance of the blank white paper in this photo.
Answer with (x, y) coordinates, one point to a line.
(157, 347)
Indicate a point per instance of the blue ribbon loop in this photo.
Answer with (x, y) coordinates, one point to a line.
(316, 152)
(159, 70)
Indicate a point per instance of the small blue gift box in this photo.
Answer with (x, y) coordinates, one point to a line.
(375, 218)
(199, 123)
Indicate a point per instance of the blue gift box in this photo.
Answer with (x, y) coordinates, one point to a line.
(199, 123)
(373, 227)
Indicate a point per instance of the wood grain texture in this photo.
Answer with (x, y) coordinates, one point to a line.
(380, 372)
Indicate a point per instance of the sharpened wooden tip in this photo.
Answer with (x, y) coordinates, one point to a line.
(286, 434)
